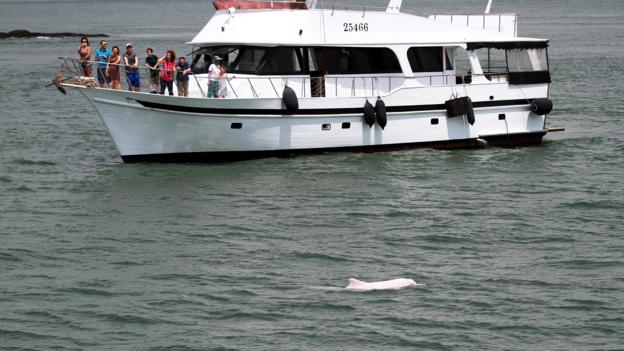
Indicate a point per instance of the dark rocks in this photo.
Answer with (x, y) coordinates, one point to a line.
(24, 34)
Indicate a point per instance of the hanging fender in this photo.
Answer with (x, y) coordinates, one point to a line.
(459, 107)
(470, 116)
(369, 114)
(289, 98)
(541, 106)
(380, 113)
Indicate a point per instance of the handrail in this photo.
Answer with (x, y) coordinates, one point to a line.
(198, 85)
(381, 85)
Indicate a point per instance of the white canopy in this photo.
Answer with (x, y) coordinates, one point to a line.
(327, 27)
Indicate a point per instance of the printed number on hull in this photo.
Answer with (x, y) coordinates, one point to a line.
(355, 27)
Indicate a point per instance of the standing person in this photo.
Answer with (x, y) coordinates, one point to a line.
(223, 79)
(84, 50)
(112, 69)
(214, 72)
(151, 62)
(102, 55)
(182, 77)
(167, 72)
(131, 62)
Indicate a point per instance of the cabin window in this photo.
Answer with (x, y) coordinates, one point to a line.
(493, 61)
(202, 57)
(247, 60)
(281, 61)
(528, 66)
(527, 60)
(356, 60)
(305, 60)
(428, 59)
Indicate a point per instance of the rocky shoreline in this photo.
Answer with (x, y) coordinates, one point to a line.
(25, 34)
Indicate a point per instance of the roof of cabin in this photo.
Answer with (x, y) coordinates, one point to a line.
(305, 28)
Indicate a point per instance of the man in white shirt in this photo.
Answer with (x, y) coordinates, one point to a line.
(214, 73)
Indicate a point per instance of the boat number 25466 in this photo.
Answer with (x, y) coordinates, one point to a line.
(355, 27)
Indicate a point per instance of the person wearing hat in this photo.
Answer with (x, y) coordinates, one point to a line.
(214, 73)
(131, 62)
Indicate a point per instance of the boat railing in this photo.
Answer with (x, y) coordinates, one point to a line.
(338, 5)
(504, 23)
(240, 86)
(148, 78)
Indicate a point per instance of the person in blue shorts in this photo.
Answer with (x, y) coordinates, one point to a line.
(101, 55)
(131, 62)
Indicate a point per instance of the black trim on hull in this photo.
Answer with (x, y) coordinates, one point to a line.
(229, 156)
(516, 139)
(506, 45)
(327, 111)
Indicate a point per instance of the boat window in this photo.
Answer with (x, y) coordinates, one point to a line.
(428, 59)
(303, 60)
(528, 66)
(281, 61)
(312, 60)
(492, 60)
(527, 60)
(356, 60)
(202, 58)
(248, 60)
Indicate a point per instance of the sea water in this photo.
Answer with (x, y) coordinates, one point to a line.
(520, 249)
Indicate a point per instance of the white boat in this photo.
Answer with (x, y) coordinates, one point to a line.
(299, 79)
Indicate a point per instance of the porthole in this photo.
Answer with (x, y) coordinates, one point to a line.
(326, 126)
(501, 117)
(236, 125)
(435, 121)
(346, 125)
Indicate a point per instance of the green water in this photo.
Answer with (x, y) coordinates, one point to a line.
(520, 249)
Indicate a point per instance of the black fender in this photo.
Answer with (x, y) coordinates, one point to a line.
(460, 107)
(541, 106)
(369, 114)
(290, 100)
(380, 113)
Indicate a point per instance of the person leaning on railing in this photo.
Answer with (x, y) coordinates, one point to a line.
(182, 77)
(112, 69)
(131, 62)
(102, 55)
(151, 62)
(167, 72)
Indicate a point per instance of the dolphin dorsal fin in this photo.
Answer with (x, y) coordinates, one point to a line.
(354, 282)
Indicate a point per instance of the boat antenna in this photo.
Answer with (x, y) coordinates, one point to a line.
(488, 7)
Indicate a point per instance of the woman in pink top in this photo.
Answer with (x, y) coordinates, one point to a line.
(167, 72)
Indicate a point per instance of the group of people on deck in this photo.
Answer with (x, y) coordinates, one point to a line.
(162, 70)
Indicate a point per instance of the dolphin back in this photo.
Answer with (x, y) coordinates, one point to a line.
(394, 284)
(354, 283)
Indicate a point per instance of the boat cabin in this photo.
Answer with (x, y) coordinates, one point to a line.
(331, 53)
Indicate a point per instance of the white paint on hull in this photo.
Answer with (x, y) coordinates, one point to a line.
(137, 130)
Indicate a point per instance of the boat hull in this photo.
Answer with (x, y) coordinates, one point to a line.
(154, 128)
